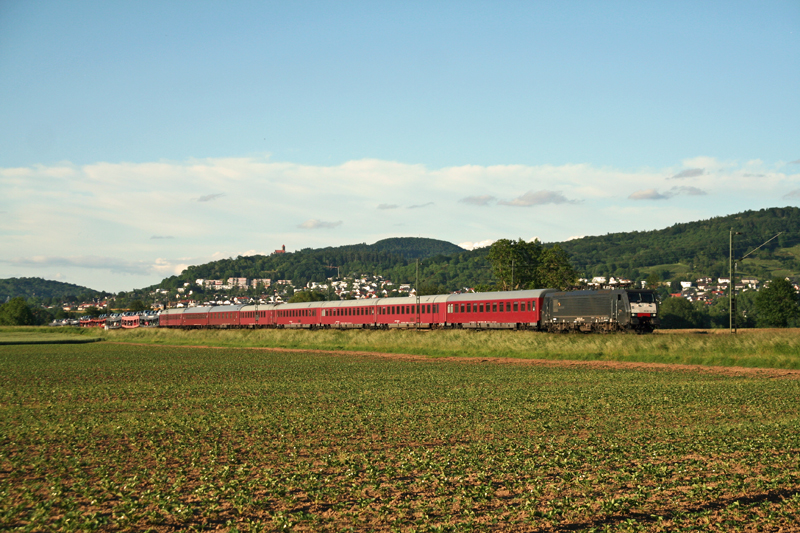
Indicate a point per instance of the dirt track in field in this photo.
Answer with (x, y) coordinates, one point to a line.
(776, 373)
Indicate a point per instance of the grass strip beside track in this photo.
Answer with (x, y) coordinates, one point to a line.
(749, 348)
(117, 437)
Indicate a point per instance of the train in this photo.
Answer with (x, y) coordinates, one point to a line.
(551, 310)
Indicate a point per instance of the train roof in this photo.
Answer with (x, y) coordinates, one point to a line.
(260, 307)
(498, 295)
(220, 308)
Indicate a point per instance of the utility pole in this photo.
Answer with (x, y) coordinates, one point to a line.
(416, 292)
(512, 274)
(732, 285)
(732, 296)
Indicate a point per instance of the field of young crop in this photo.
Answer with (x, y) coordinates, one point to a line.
(117, 437)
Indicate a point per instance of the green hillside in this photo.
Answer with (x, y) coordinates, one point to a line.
(44, 289)
(681, 251)
(441, 263)
(416, 247)
(696, 248)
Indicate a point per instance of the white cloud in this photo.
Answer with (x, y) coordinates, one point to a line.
(484, 199)
(318, 224)
(531, 198)
(706, 163)
(112, 264)
(792, 194)
(469, 245)
(210, 197)
(111, 210)
(648, 194)
(689, 173)
(687, 190)
(653, 194)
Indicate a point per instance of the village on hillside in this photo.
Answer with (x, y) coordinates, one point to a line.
(241, 291)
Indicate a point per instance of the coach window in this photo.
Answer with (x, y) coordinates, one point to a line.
(516, 306)
(494, 307)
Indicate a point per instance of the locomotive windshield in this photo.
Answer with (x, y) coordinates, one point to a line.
(641, 297)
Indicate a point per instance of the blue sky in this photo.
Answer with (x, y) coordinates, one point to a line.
(140, 137)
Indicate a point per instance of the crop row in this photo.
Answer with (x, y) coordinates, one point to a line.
(117, 437)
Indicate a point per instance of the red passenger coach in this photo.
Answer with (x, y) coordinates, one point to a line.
(223, 316)
(301, 315)
(348, 314)
(405, 313)
(170, 318)
(195, 317)
(496, 310)
(256, 316)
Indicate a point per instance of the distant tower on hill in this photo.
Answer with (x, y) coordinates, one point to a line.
(282, 250)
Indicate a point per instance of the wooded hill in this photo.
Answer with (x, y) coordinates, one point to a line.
(684, 251)
(44, 290)
(696, 248)
(441, 264)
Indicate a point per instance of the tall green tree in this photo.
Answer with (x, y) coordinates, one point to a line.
(530, 265)
(307, 296)
(680, 313)
(16, 312)
(777, 304)
(515, 264)
(555, 269)
(137, 305)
